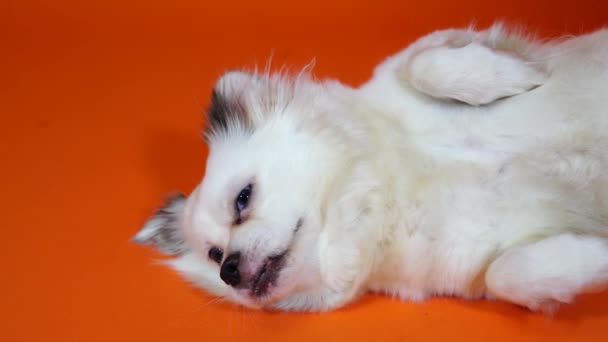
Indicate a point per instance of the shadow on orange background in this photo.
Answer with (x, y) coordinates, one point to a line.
(101, 105)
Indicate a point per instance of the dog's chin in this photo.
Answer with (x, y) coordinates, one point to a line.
(246, 298)
(262, 289)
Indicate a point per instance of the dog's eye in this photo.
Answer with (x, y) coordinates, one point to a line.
(242, 200)
(216, 254)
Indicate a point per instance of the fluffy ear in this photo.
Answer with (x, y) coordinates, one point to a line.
(229, 102)
(232, 83)
(162, 229)
(474, 73)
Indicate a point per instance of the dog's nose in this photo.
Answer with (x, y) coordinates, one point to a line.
(230, 270)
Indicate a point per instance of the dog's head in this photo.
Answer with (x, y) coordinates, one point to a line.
(249, 232)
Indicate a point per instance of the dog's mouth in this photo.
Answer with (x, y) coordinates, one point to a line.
(267, 275)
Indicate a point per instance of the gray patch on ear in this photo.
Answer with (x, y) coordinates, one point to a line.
(227, 109)
(224, 112)
(162, 229)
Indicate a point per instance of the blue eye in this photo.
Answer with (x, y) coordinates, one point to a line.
(242, 200)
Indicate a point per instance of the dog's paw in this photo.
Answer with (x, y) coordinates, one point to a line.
(547, 307)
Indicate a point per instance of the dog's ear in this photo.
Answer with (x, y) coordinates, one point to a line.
(231, 100)
(162, 230)
(232, 84)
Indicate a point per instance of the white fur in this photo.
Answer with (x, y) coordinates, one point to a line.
(405, 190)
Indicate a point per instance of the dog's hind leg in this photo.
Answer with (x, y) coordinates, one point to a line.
(543, 274)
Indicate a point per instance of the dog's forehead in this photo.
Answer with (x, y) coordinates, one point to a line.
(202, 222)
(227, 172)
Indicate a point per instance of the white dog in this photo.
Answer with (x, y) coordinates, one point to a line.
(472, 164)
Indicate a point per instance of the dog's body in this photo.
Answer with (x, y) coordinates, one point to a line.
(472, 164)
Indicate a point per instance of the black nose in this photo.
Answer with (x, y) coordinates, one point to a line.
(230, 270)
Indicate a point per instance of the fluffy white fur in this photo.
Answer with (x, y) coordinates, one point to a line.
(472, 164)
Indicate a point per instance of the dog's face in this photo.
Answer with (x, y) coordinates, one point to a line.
(249, 231)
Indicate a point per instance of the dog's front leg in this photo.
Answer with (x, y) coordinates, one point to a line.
(473, 67)
(343, 273)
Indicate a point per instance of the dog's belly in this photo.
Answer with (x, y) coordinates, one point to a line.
(422, 266)
(467, 203)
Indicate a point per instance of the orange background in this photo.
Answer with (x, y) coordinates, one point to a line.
(100, 105)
